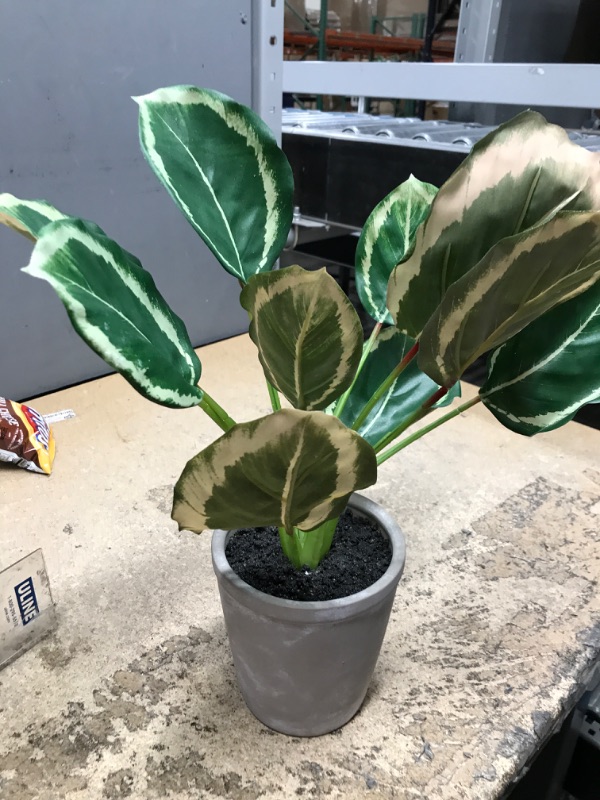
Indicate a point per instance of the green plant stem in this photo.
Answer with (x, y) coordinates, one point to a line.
(274, 395)
(382, 389)
(368, 347)
(215, 412)
(427, 429)
(308, 548)
(421, 412)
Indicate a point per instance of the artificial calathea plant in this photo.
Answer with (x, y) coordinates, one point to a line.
(503, 259)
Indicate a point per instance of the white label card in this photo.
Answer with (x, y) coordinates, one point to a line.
(27, 612)
(59, 416)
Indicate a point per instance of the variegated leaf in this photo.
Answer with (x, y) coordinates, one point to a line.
(116, 308)
(539, 379)
(519, 279)
(409, 391)
(291, 468)
(27, 217)
(223, 168)
(519, 175)
(308, 335)
(387, 238)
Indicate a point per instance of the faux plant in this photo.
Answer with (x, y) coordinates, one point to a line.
(504, 259)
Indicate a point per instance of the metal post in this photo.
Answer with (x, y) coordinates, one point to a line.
(300, 18)
(429, 31)
(416, 31)
(323, 30)
(427, 46)
(452, 6)
(414, 26)
(478, 31)
(267, 68)
(322, 42)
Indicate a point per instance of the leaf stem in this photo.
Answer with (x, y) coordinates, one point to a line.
(387, 383)
(308, 548)
(427, 429)
(421, 412)
(367, 349)
(289, 546)
(274, 395)
(215, 412)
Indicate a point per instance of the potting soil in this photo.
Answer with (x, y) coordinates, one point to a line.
(359, 556)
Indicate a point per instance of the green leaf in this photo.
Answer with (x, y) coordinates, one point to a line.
(387, 238)
(518, 280)
(27, 217)
(223, 168)
(524, 172)
(116, 308)
(408, 393)
(308, 335)
(539, 379)
(291, 468)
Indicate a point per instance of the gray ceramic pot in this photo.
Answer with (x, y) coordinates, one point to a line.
(304, 667)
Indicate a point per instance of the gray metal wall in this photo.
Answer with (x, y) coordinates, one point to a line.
(68, 134)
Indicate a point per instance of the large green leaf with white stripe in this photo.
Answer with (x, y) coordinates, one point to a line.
(539, 379)
(410, 390)
(27, 217)
(519, 175)
(519, 279)
(308, 335)
(116, 308)
(388, 237)
(223, 168)
(292, 468)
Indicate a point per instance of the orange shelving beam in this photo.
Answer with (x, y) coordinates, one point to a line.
(443, 50)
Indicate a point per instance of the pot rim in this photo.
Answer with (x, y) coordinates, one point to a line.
(298, 609)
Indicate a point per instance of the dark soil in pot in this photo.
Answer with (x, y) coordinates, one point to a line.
(359, 556)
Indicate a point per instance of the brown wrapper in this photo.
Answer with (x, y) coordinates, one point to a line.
(26, 439)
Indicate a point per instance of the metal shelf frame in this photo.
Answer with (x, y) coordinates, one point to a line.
(559, 85)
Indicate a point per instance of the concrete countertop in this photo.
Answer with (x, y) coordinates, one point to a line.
(496, 623)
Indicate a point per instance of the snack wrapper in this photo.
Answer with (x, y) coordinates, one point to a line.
(26, 439)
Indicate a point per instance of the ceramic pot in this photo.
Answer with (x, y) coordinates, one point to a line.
(304, 667)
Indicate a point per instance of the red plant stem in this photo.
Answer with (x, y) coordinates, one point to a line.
(382, 389)
(421, 412)
(435, 397)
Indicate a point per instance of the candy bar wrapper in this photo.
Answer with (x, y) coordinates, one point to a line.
(26, 439)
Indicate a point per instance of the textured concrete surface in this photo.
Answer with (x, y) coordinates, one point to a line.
(495, 628)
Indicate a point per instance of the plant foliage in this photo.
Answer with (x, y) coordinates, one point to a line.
(504, 258)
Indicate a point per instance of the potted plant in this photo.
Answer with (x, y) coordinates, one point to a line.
(503, 259)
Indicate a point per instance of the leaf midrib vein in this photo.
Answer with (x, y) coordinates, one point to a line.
(210, 189)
